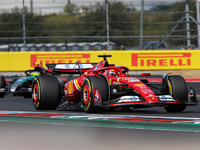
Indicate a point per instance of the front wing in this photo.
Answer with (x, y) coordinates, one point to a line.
(140, 101)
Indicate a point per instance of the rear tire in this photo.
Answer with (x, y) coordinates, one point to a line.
(2, 85)
(88, 98)
(178, 90)
(45, 93)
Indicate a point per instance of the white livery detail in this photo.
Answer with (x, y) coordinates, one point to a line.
(166, 98)
(2, 89)
(129, 99)
(73, 66)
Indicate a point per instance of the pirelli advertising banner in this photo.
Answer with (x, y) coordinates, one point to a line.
(134, 60)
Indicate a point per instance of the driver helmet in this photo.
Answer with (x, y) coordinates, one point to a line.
(111, 72)
(35, 73)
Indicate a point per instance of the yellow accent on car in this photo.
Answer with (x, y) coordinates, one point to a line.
(78, 86)
(170, 87)
(89, 96)
(38, 103)
(110, 81)
(139, 85)
(70, 88)
(38, 89)
(35, 73)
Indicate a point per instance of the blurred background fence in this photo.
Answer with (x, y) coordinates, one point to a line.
(48, 25)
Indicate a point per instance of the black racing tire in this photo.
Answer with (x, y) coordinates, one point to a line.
(2, 82)
(2, 85)
(178, 90)
(88, 95)
(45, 93)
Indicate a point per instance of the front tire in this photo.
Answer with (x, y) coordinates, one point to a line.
(94, 90)
(45, 93)
(178, 90)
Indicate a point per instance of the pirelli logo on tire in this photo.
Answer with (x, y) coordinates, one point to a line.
(162, 60)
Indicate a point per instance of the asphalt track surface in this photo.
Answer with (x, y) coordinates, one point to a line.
(24, 128)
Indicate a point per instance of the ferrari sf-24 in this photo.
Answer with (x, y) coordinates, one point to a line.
(103, 86)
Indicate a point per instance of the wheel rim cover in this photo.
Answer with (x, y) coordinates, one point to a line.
(86, 94)
(35, 93)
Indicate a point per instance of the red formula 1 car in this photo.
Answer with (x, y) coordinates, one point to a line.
(102, 86)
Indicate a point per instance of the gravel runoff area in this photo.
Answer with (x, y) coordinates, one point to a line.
(184, 73)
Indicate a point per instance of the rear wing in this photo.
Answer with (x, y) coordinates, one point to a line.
(72, 68)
